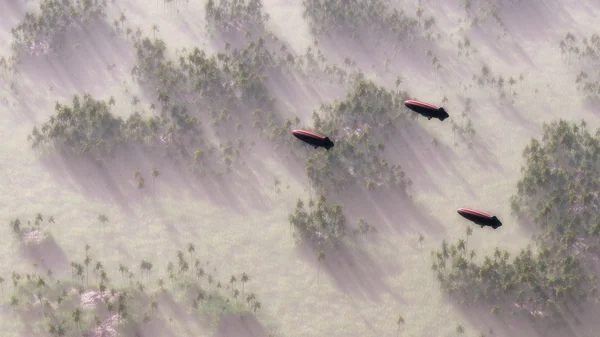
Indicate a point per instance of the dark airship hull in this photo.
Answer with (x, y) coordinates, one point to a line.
(314, 139)
(427, 110)
(480, 218)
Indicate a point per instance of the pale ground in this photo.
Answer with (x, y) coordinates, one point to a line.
(259, 242)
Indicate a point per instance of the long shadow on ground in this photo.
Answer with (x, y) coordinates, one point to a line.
(46, 254)
(351, 270)
(245, 326)
(84, 62)
(115, 181)
(505, 324)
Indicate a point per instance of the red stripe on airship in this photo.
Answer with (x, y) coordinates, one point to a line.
(474, 212)
(308, 133)
(422, 104)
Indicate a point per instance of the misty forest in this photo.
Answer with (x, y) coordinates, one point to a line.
(152, 185)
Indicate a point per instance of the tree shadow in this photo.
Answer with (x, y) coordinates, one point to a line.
(236, 326)
(169, 306)
(420, 159)
(484, 156)
(367, 55)
(592, 105)
(154, 328)
(389, 211)
(302, 92)
(87, 178)
(83, 64)
(12, 11)
(519, 324)
(511, 111)
(536, 20)
(115, 181)
(46, 254)
(352, 270)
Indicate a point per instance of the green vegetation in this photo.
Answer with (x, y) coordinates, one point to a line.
(477, 12)
(231, 17)
(558, 192)
(32, 233)
(505, 93)
(464, 128)
(360, 124)
(89, 130)
(323, 224)
(363, 19)
(587, 53)
(69, 307)
(43, 33)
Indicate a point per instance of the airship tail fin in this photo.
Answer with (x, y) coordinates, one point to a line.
(329, 143)
(444, 114)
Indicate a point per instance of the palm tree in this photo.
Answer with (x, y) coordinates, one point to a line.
(256, 306)
(86, 262)
(320, 257)
(103, 219)
(140, 184)
(421, 239)
(135, 101)
(155, 174)
(245, 278)
(399, 322)
(232, 282)
(460, 330)
(50, 221)
(469, 231)
(77, 317)
(191, 249)
(461, 245)
(155, 29)
(2, 286)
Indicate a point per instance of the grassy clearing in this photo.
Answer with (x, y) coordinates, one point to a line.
(257, 240)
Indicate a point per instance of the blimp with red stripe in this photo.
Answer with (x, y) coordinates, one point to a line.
(313, 138)
(479, 217)
(428, 110)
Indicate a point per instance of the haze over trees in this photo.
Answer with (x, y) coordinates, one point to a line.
(557, 195)
(179, 116)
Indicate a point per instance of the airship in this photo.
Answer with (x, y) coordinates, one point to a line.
(480, 218)
(314, 139)
(427, 110)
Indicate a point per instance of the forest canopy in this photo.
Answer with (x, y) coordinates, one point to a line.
(558, 191)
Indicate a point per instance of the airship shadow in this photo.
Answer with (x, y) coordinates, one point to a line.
(351, 270)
